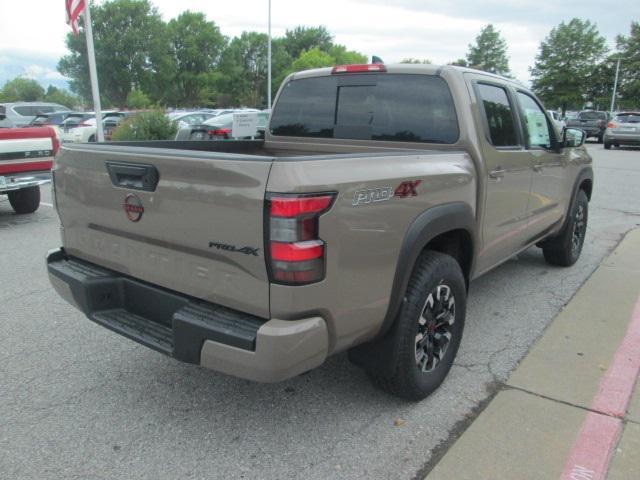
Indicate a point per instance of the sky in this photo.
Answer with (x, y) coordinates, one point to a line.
(32, 32)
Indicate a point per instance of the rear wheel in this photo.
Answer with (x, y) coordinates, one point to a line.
(25, 200)
(427, 332)
(564, 250)
(92, 138)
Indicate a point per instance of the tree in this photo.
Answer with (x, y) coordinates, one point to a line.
(629, 48)
(301, 39)
(21, 90)
(196, 46)
(136, 100)
(132, 51)
(342, 56)
(243, 68)
(153, 125)
(461, 62)
(63, 97)
(566, 63)
(489, 52)
(313, 58)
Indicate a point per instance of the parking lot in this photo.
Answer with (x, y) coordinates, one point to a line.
(77, 401)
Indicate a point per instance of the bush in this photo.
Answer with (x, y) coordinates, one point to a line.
(152, 125)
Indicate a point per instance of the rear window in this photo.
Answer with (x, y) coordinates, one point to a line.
(25, 111)
(628, 118)
(592, 116)
(391, 107)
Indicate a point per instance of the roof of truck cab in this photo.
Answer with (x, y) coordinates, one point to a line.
(422, 68)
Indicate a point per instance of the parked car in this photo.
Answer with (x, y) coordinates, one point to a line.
(219, 127)
(185, 119)
(21, 114)
(355, 225)
(85, 131)
(593, 122)
(26, 157)
(4, 121)
(624, 129)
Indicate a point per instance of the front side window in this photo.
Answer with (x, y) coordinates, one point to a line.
(499, 115)
(385, 107)
(536, 127)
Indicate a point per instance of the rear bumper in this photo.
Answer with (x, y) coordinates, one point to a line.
(16, 181)
(622, 138)
(188, 329)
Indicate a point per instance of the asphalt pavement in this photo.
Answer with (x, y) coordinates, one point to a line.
(77, 401)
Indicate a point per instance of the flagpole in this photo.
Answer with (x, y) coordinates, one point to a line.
(93, 75)
(269, 62)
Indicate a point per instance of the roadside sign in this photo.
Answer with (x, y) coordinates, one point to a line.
(244, 125)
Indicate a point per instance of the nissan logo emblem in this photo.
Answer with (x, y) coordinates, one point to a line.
(133, 207)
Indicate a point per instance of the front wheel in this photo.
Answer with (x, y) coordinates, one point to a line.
(428, 329)
(564, 250)
(25, 200)
(607, 146)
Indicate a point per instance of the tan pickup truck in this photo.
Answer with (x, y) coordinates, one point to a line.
(377, 195)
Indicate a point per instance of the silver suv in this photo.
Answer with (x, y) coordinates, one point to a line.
(21, 114)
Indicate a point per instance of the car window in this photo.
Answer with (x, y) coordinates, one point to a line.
(499, 115)
(536, 126)
(592, 116)
(628, 118)
(389, 107)
(24, 111)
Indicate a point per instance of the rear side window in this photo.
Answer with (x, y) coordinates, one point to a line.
(499, 115)
(385, 107)
(628, 118)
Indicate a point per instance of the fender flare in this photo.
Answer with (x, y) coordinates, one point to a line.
(584, 174)
(424, 228)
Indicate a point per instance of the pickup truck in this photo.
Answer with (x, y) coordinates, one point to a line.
(377, 195)
(592, 122)
(26, 157)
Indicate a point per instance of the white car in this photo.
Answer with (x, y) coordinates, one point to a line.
(86, 131)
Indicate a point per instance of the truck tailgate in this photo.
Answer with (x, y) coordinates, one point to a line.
(190, 221)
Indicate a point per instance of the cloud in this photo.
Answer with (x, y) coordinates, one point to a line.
(29, 64)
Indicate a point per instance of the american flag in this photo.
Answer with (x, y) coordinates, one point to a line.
(74, 9)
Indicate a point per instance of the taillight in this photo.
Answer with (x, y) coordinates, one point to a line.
(359, 68)
(55, 143)
(612, 125)
(295, 252)
(220, 132)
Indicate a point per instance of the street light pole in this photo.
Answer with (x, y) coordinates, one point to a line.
(615, 87)
(269, 62)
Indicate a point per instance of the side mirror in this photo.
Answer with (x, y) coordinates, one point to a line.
(573, 137)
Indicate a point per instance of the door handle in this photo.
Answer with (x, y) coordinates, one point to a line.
(134, 176)
(497, 173)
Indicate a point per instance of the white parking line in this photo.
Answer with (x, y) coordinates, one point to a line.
(46, 204)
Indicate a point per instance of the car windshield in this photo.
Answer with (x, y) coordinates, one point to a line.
(593, 116)
(628, 118)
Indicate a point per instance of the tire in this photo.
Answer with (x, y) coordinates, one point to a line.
(92, 139)
(564, 250)
(25, 200)
(607, 146)
(411, 370)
